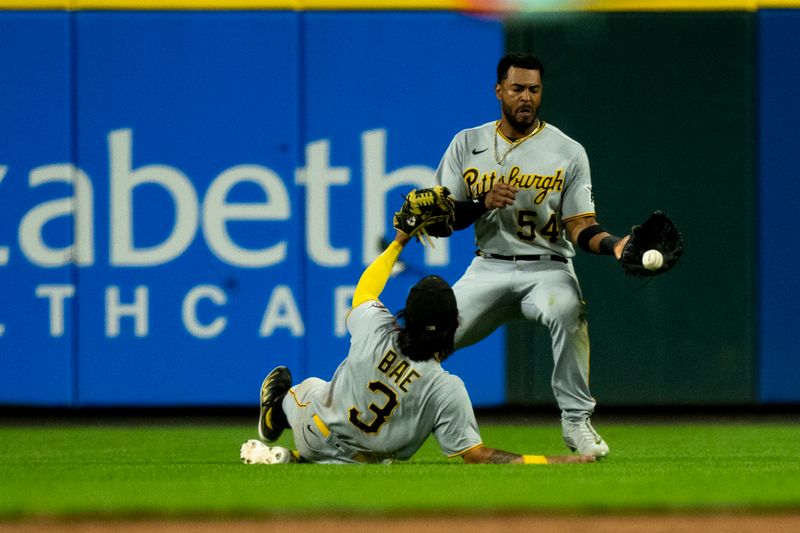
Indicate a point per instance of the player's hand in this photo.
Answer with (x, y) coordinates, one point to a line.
(500, 196)
(573, 459)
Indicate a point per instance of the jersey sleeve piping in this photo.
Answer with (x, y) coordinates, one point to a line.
(459, 454)
(297, 400)
(582, 215)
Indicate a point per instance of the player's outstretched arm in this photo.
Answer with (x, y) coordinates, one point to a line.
(374, 278)
(484, 455)
(591, 237)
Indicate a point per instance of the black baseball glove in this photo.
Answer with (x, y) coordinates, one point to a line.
(426, 212)
(659, 233)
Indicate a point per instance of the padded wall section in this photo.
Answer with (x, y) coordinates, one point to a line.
(37, 210)
(779, 195)
(664, 105)
(383, 96)
(188, 127)
(167, 182)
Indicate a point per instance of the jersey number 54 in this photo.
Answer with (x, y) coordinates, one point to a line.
(526, 221)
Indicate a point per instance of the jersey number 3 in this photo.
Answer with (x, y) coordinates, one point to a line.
(527, 226)
(382, 414)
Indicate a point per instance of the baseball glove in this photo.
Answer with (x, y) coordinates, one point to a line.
(658, 232)
(426, 213)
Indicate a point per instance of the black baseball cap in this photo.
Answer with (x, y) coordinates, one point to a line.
(431, 306)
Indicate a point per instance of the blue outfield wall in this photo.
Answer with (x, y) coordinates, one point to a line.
(37, 358)
(779, 196)
(187, 199)
(188, 115)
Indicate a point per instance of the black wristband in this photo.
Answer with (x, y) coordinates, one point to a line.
(468, 211)
(586, 235)
(607, 245)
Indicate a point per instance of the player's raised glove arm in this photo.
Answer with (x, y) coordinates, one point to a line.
(374, 278)
(658, 233)
(426, 212)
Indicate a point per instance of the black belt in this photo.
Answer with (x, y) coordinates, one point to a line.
(543, 257)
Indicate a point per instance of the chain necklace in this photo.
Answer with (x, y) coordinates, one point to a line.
(514, 144)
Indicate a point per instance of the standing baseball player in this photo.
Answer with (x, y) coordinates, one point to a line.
(526, 186)
(389, 394)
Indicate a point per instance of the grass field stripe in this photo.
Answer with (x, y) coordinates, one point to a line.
(104, 468)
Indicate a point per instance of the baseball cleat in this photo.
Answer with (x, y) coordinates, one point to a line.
(272, 420)
(255, 452)
(583, 438)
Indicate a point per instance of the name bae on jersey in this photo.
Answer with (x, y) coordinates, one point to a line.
(398, 373)
(480, 183)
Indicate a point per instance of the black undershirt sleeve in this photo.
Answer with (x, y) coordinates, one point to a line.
(468, 211)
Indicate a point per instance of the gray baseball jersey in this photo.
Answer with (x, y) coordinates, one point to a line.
(551, 171)
(379, 402)
(552, 174)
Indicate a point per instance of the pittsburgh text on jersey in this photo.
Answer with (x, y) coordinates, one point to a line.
(480, 183)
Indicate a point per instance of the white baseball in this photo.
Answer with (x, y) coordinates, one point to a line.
(652, 260)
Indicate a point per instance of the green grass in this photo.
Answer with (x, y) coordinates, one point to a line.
(195, 470)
